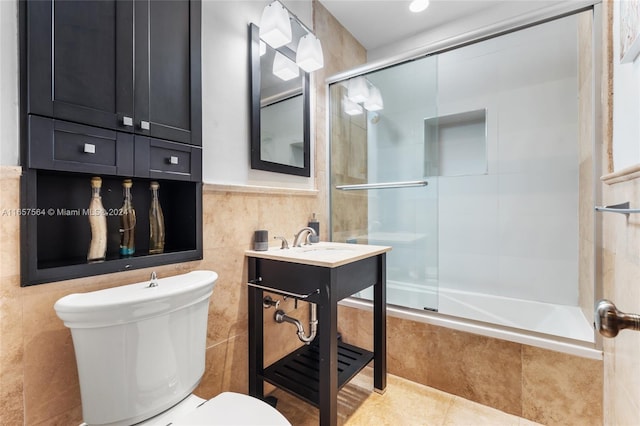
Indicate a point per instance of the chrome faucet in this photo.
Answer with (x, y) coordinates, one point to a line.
(297, 240)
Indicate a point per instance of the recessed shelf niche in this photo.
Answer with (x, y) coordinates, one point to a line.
(63, 233)
(456, 144)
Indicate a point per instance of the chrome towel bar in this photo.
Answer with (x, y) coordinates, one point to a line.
(386, 185)
(622, 208)
(282, 292)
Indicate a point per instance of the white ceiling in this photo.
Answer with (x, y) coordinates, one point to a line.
(377, 23)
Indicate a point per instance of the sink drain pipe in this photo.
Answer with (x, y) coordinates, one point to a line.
(281, 317)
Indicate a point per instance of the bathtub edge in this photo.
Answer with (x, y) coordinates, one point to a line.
(482, 329)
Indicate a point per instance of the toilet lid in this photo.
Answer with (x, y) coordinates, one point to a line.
(231, 408)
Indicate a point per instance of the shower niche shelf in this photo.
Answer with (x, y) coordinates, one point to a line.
(456, 144)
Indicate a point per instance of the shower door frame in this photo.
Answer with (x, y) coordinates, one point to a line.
(504, 27)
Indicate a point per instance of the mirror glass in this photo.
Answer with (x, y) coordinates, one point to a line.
(279, 110)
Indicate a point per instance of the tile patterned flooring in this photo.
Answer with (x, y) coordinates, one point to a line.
(404, 403)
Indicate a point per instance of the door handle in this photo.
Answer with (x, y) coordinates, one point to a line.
(609, 320)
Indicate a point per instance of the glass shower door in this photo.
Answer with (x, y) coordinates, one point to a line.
(384, 185)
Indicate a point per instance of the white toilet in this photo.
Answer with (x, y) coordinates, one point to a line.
(140, 351)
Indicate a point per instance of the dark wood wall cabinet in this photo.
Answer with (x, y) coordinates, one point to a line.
(109, 88)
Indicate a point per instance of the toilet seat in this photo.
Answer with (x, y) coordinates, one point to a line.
(230, 408)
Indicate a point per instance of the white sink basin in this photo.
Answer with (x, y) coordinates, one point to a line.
(326, 254)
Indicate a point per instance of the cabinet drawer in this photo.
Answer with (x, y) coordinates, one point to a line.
(60, 145)
(159, 159)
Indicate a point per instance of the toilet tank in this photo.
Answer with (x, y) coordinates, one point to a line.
(139, 349)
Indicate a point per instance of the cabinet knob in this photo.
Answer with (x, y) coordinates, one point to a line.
(144, 125)
(89, 148)
(127, 121)
(173, 160)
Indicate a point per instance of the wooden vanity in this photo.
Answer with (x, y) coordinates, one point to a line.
(324, 274)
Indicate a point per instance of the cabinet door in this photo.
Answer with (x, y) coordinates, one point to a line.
(81, 61)
(167, 63)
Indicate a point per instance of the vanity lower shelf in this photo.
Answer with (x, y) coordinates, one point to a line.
(298, 372)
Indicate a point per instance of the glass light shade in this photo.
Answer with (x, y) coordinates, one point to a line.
(350, 108)
(418, 5)
(284, 67)
(358, 90)
(374, 101)
(275, 27)
(309, 54)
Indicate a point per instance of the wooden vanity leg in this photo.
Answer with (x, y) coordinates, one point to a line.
(328, 369)
(256, 333)
(380, 327)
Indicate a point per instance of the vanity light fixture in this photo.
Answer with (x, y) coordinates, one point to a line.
(350, 108)
(374, 101)
(309, 54)
(358, 90)
(275, 28)
(284, 68)
(276, 31)
(418, 5)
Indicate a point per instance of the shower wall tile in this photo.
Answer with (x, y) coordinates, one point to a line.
(534, 383)
(348, 148)
(468, 232)
(411, 355)
(534, 129)
(478, 368)
(356, 326)
(586, 274)
(546, 375)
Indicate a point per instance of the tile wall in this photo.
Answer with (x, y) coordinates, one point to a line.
(621, 272)
(541, 385)
(38, 378)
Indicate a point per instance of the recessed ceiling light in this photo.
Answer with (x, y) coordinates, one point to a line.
(418, 5)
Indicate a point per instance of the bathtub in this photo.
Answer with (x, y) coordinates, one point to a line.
(555, 327)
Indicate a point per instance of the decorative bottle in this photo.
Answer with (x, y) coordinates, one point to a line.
(127, 221)
(156, 222)
(98, 223)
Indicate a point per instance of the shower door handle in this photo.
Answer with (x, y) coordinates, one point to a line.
(609, 320)
(385, 185)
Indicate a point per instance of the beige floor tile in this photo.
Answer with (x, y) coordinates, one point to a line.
(465, 412)
(404, 403)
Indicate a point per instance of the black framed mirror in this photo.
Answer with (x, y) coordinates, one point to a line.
(280, 112)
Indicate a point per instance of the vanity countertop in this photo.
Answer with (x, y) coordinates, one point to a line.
(325, 254)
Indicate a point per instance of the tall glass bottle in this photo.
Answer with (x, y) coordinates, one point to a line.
(127, 221)
(98, 223)
(156, 222)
